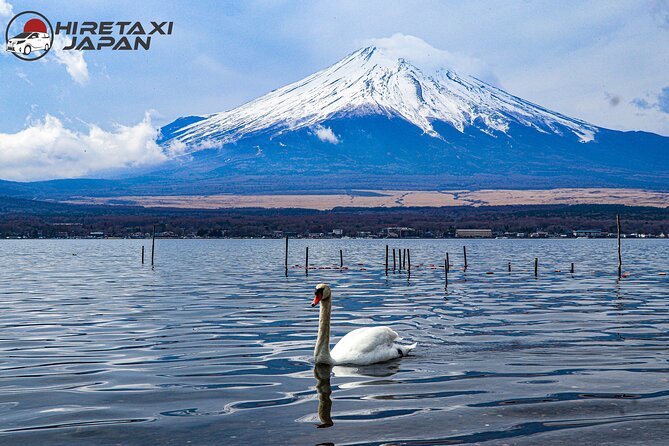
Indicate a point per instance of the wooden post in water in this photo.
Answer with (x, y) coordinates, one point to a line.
(536, 267)
(509, 266)
(409, 259)
(286, 262)
(153, 243)
(394, 261)
(620, 257)
(341, 259)
(446, 271)
(404, 259)
(386, 260)
(448, 263)
(142, 254)
(464, 250)
(399, 259)
(572, 267)
(306, 262)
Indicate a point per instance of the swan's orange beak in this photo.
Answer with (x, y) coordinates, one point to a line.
(317, 298)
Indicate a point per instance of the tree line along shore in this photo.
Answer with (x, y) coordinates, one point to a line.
(21, 218)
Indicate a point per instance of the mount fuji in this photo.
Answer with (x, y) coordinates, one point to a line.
(368, 83)
(377, 121)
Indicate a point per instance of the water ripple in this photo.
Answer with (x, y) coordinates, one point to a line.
(214, 345)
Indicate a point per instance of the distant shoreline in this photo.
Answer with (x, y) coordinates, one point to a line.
(464, 240)
(24, 218)
(393, 199)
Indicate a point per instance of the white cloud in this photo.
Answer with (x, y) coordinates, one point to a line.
(6, 9)
(23, 76)
(176, 148)
(326, 134)
(73, 60)
(426, 57)
(47, 150)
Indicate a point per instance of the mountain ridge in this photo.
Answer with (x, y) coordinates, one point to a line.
(374, 122)
(367, 82)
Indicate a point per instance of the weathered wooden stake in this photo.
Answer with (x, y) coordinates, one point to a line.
(341, 259)
(306, 262)
(153, 243)
(448, 263)
(286, 256)
(509, 266)
(386, 260)
(446, 271)
(620, 257)
(142, 254)
(394, 261)
(536, 267)
(464, 250)
(404, 260)
(572, 267)
(409, 259)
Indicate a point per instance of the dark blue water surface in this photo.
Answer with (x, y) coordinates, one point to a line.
(213, 346)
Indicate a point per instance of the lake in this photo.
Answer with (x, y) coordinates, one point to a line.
(214, 345)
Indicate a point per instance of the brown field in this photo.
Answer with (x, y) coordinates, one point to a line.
(396, 198)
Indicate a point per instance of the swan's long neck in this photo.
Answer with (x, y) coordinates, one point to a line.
(322, 350)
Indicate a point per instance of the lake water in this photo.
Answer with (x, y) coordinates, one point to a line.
(214, 345)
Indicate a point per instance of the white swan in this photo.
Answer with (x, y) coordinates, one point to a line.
(361, 346)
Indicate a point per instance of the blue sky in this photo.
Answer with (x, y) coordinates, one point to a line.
(601, 61)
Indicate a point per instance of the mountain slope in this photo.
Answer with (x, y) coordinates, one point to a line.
(369, 83)
(371, 121)
(374, 121)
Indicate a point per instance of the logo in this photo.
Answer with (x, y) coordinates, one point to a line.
(32, 35)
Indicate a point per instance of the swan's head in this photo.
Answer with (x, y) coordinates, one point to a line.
(322, 292)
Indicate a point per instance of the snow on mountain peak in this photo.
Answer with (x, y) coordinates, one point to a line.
(379, 79)
(430, 59)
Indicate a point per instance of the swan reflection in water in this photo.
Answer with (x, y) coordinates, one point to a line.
(323, 372)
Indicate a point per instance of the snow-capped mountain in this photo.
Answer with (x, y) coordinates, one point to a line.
(368, 82)
(376, 121)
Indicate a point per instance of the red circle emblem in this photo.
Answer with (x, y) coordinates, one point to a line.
(34, 26)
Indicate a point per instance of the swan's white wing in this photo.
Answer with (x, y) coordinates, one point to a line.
(366, 346)
(366, 339)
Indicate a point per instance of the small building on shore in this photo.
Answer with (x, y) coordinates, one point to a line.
(473, 233)
(398, 232)
(589, 233)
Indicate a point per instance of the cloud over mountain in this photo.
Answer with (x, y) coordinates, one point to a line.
(430, 59)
